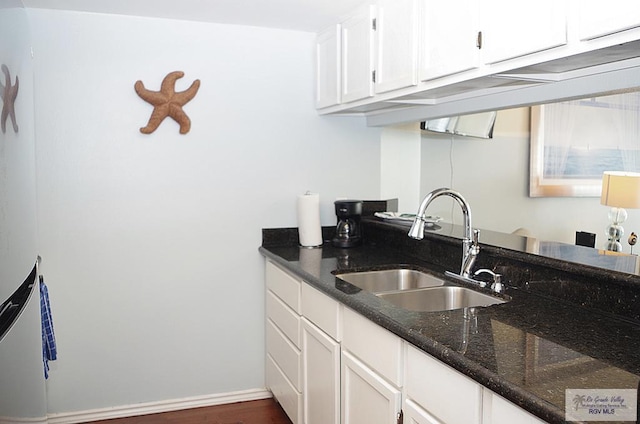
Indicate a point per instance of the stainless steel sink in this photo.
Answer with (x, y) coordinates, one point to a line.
(439, 299)
(391, 280)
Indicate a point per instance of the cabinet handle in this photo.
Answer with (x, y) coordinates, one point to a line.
(479, 40)
(400, 419)
(374, 24)
(373, 76)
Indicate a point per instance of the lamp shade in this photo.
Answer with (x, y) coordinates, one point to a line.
(621, 189)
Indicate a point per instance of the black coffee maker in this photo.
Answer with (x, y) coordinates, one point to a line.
(348, 228)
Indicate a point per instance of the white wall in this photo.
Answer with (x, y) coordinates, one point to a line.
(493, 175)
(149, 242)
(400, 166)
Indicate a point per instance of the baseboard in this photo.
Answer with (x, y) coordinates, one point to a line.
(37, 420)
(156, 407)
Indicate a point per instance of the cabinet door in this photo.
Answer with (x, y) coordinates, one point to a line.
(397, 44)
(358, 55)
(449, 33)
(321, 376)
(366, 397)
(413, 414)
(328, 67)
(596, 20)
(510, 30)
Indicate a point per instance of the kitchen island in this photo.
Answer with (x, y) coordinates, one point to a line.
(567, 326)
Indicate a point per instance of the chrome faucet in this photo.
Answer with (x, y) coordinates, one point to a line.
(470, 247)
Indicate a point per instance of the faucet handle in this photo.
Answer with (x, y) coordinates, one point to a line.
(497, 285)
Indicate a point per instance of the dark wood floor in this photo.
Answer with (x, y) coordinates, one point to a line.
(264, 411)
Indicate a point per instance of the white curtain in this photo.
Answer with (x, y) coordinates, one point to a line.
(627, 125)
(606, 125)
(559, 126)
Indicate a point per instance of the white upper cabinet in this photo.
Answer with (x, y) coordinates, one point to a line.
(379, 49)
(611, 17)
(511, 29)
(396, 32)
(393, 55)
(448, 37)
(328, 67)
(358, 55)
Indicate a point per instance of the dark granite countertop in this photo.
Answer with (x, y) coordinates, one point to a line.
(529, 350)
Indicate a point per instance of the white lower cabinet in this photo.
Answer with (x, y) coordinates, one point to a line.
(367, 398)
(283, 391)
(444, 393)
(497, 410)
(285, 354)
(283, 363)
(414, 414)
(321, 376)
(371, 371)
(377, 347)
(437, 394)
(327, 364)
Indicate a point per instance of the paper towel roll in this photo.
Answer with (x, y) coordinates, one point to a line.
(309, 229)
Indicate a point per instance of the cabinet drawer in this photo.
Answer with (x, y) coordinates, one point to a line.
(288, 397)
(498, 410)
(377, 347)
(284, 353)
(425, 384)
(284, 318)
(283, 285)
(321, 310)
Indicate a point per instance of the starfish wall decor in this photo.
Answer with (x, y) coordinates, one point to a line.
(167, 102)
(8, 93)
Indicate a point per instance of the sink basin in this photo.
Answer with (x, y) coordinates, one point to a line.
(440, 299)
(390, 280)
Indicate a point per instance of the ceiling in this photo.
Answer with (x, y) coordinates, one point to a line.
(299, 15)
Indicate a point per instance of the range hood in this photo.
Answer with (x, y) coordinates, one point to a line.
(478, 125)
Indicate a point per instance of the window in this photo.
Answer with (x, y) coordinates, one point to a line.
(574, 142)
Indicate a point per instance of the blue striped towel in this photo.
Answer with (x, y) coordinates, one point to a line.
(49, 350)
